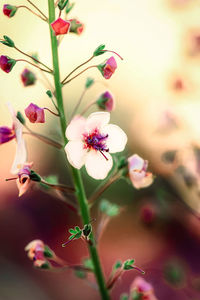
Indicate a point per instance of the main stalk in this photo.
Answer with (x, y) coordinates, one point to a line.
(80, 191)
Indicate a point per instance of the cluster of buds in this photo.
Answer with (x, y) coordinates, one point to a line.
(40, 254)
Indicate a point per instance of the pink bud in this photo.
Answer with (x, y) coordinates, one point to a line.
(76, 26)
(6, 134)
(108, 68)
(106, 101)
(9, 10)
(23, 181)
(60, 26)
(35, 114)
(28, 77)
(6, 63)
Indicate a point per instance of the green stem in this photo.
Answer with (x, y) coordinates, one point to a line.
(80, 191)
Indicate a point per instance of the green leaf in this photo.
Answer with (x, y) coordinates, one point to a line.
(87, 262)
(34, 176)
(110, 209)
(98, 51)
(69, 7)
(20, 117)
(124, 297)
(48, 252)
(128, 264)
(80, 274)
(62, 4)
(117, 265)
(72, 231)
(89, 82)
(8, 42)
(75, 233)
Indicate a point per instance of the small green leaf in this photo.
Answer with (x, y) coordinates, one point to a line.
(80, 274)
(72, 231)
(87, 262)
(62, 4)
(89, 82)
(8, 42)
(75, 233)
(117, 265)
(34, 176)
(20, 117)
(98, 51)
(48, 252)
(124, 297)
(128, 264)
(69, 7)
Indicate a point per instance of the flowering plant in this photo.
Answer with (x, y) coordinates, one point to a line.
(91, 142)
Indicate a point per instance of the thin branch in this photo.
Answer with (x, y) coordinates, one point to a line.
(102, 189)
(63, 83)
(55, 114)
(77, 105)
(59, 187)
(77, 68)
(87, 107)
(33, 58)
(24, 60)
(26, 7)
(37, 9)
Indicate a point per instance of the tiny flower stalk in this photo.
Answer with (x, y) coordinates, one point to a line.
(80, 191)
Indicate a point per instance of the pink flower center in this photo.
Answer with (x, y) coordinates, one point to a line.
(96, 141)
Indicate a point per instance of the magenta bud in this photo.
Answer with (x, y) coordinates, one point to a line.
(76, 26)
(6, 134)
(60, 26)
(9, 10)
(108, 67)
(35, 114)
(28, 77)
(106, 101)
(148, 213)
(6, 63)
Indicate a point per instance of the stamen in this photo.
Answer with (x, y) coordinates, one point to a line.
(9, 179)
(103, 155)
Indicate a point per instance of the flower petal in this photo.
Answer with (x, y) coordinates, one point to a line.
(21, 152)
(96, 164)
(141, 180)
(76, 128)
(135, 162)
(117, 138)
(97, 120)
(76, 153)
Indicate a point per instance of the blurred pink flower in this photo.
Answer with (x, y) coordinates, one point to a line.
(106, 101)
(60, 26)
(6, 134)
(35, 114)
(28, 77)
(6, 63)
(142, 289)
(76, 26)
(23, 180)
(108, 67)
(138, 174)
(35, 251)
(91, 141)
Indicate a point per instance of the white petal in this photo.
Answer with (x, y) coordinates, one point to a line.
(76, 153)
(76, 128)
(135, 162)
(96, 164)
(141, 180)
(117, 138)
(97, 120)
(21, 152)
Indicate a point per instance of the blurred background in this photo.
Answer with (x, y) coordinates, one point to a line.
(157, 90)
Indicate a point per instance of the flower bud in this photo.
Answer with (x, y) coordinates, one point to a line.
(35, 114)
(6, 134)
(60, 26)
(108, 67)
(106, 102)
(28, 77)
(6, 63)
(36, 251)
(9, 10)
(76, 26)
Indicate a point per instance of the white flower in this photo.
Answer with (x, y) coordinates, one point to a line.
(91, 141)
(138, 174)
(21, 153)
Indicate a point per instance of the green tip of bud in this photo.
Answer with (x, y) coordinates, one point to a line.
(89, 82)
(48, 252)
(99, 50)
(62, 4)
(49, 94)
(20, 118)
(8, 42)
(34, 176)
(69, 7)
